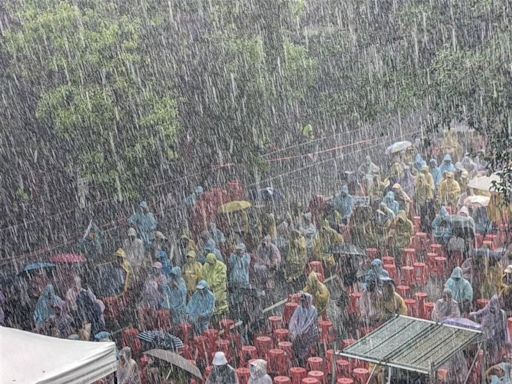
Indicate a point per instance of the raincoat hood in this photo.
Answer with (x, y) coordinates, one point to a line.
(132, 232)
(258, 369)
(433, 163)
(176, 272)
(211, 258)
(419, 162)
(447, 159)
(203, 284)
(240, 247)
(390, 197)
(456, 273)
(464, 212)
(377, 264)
(191, 254)
(120, 253)
(126, 353)
(210, 245)
(313, 281)
(344, 190)
(443, 212)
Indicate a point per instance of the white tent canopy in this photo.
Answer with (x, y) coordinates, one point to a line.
(31, 358)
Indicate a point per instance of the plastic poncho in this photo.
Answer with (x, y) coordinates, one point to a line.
(210, 247)
(91, 245)
(449, 191)
(442, 228)
(222, 374)
(461, 288)
(319, 292)
(177, 296)
(436, 173)
(396, 172)
(445, 309)
(392, 305)
(152, 297)
(391, 203)
(192, 272)
(303, 327)
(402, 198)
(343, 203)
(401, 231)
(45, 306)
(200, 309)
(258, 371)
(447, 166)
(127, 369)
(419, 163)
(239, 269)
(215, 273)
(376, 273)
(326, 240)
(297, 257)
(163, 258)
(310, 233)
(146, 225)
(424, 191)
(134, 250)
(217, 235)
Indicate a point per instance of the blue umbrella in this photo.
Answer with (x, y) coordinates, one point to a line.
(37, 267)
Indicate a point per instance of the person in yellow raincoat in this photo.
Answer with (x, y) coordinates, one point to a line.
(400, 232)
(424, 198)
(390, 303)
(451, 145)
(126, 267)
(192, 272)
(297, 256)
(396, 172)
(327, 238)
(403, 199)
(449, 191)
(319, 292)
(215, 273)
(185, 244)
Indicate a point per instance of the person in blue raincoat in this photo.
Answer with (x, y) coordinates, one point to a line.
(145, 223)
(210, 247)
(447, 166)
(461, 289)
(177, 296)
(442, 227)
(376, 273)
(216, 234)
(391, 203)
(419, 163)
(239, 267)
(436, 173)
(201, 307)
(45, 307)
(343, 203)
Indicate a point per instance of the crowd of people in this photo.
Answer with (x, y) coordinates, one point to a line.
(231, 269)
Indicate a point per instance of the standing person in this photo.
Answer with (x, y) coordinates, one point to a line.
(210, 247)
(424, 198)
(399, 236)
(201, 308)
(177, 296)
(215, 274)
(45, 307)
(145, 223)
(449, 191)
(494, 327)
(267, 262)
(85, 307)
(436, 173)
(327, 239)
(403, 199)
(461, 289)
(445, 307)
(91, 245)
(319, 292)
(134, 250)
(127, 370)
(192, 272)
(185, 245)
(222, 372)
(343, 203)
(216, 235)
(376, 273)
(258, 371)
(153, 295)
(446, 166)
(391, 203)
(442, 227)
(297, 257)
(239, 267)
(125, 271)
(303, 327)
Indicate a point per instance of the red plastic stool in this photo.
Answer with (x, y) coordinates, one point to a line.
(263, 344)
(437, 249)
(227, 324)
(282, 380)
(354, 298)
(276, 322)
(441, 266)
(417, 223)
(403, 290)
(287, 347)
(223, 345)
(361, 375)
(319, 375)
(163, 319)
(420, 274)
(431, 262)
(407, 274)
(411, 307)
(409, 256)
(422, 242)
(342, 367)
(388, 260)
(277, 364)
(244, 374)
(297, 374)
(420, 298)
(344, 380)
(372, 253)
(316, 364)
(289, 308)
(247, 353)
(481, 303)
(393, 273)
(325, 327)
(329, 356)
(427, 310)
(316, 266)
(309, 380)
(281, 334)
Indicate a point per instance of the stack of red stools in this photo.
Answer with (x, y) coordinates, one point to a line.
(277, 362)
(263, 344)
(372, 253)
(354, 299)
(325, 328)
(409, 256)
(317, 267)
(243, 374)
(247, 353)
(297, 374)
(420, 298)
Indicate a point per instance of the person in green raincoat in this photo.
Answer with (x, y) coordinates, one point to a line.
(215, 273)
(297, 256)
(399, 234)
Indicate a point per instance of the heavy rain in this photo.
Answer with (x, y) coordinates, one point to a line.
(255, 191)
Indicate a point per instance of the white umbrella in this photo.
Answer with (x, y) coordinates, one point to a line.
(477, 200)
(398, 147)
(483, 183)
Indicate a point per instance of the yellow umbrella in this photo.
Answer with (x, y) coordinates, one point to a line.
(234, 206)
